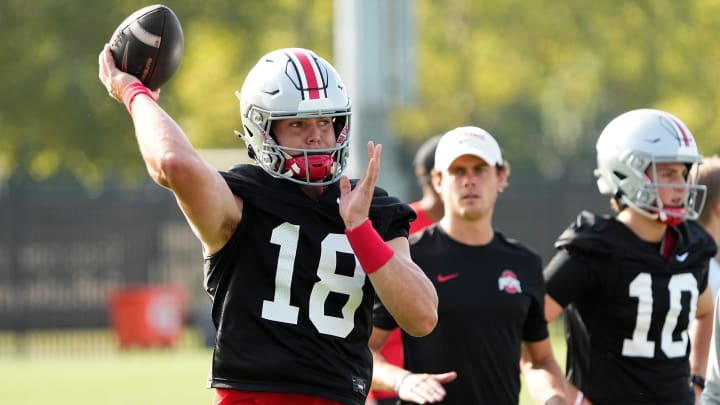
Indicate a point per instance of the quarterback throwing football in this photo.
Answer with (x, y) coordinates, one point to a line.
(294, 251)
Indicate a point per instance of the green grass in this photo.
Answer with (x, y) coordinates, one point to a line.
(86, 368)
(103, 374)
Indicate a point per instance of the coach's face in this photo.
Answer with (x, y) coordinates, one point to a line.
(469, 187)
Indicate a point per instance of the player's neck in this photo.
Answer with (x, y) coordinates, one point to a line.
(647, 229)
(314, 192)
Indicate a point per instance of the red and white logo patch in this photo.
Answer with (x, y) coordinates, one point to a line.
(509, 282)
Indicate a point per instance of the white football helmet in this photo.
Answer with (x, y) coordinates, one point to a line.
(635, 141)
(295, 83)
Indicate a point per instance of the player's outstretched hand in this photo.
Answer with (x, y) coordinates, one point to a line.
(424, 388)
(113, 78)
(355, 203)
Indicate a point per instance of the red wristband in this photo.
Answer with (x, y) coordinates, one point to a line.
(371, 251)
(132, 90)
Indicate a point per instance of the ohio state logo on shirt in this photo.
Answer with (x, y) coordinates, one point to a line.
(509, 282)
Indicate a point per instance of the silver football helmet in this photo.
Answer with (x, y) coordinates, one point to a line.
(640, 139)
(295, 83)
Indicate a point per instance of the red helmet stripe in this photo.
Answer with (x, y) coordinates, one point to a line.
(310, 76)
(685, 138)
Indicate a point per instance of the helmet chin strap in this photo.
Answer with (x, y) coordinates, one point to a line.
(659, 215)
(310, 167)
(661, 212)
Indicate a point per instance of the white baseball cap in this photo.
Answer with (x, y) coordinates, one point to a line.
(467, 141)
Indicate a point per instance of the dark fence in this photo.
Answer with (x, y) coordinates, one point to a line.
(63, 254)
(536, 212)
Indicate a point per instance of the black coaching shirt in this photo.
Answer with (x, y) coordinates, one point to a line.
(291, 305)
(628, 309)
(491, 298)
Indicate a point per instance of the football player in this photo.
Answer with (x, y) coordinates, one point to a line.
(294, 252)
(491, 293)
(634, 285)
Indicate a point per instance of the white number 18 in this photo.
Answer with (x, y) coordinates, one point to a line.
(279, 309)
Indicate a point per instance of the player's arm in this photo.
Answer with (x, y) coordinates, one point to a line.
(419, 388)
(399, 283)
(543, 376)
(568, 277)
(552, 309)
(700, 335)
(203, 196)
(386, 376)
(406, 291)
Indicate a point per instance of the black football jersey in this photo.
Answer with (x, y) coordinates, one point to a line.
(628, 309)
(491, 298)
(291, 305)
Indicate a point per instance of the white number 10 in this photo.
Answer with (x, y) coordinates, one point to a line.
(641, 287)
(279, 309)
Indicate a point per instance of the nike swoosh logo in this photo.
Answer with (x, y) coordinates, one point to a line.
(654, 140)
(681, 257)
(441, 278)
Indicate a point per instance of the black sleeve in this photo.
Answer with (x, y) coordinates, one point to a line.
(390, 216)
(382, 318)
(535, 327)
(569, 276)
(705, 278)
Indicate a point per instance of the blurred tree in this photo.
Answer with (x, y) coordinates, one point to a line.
(544, 76)
(55, 115)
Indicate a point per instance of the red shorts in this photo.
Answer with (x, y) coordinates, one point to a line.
(236, 397)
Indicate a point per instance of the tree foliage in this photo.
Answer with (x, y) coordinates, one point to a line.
(543, 76)
(546, 76)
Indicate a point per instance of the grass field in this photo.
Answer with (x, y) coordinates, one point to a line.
(103, 374)
(90, 370)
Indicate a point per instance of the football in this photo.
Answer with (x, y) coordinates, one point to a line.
(149, 45)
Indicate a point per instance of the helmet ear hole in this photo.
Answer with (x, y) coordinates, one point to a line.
(606, 187)
(338, 125)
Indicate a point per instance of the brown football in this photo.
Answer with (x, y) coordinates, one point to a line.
(149, 45)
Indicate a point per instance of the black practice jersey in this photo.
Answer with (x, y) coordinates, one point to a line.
(628, 309)
(491, 298)
(291, 304)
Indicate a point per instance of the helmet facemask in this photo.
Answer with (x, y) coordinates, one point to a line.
(648, 202)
